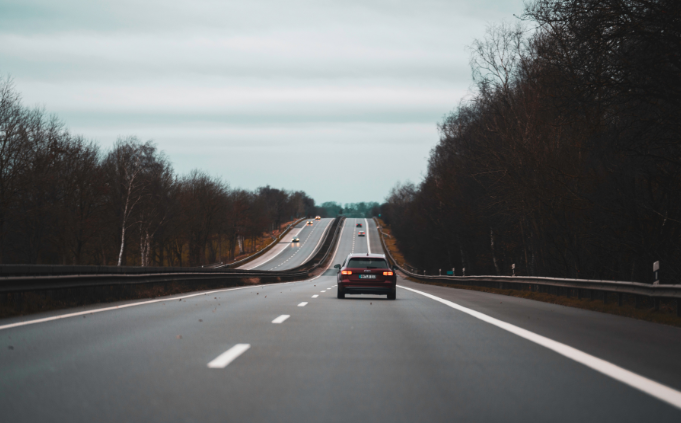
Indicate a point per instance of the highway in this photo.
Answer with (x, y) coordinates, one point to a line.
(293, 352)
(287, 254)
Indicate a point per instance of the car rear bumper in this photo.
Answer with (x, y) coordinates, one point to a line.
(381, 288)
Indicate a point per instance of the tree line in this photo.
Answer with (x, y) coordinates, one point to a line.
(567, 159)
(362, 209)
(64, 201)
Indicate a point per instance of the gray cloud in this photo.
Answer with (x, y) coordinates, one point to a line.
(243, 89)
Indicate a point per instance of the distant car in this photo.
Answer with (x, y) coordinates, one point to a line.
(366, 274)
(309, 223)
(296, 239)
(317, 218)
(359, 225)
(361, 233)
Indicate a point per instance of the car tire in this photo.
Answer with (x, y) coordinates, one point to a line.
(392, 295)
(341, 292)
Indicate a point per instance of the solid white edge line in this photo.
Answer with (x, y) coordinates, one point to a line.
(302, 304)
(228, 356)
(100, 310)
(636, 381)
(122, 306)
(366, 223)
(281, 319)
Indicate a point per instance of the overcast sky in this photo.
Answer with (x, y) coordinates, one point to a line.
(336, 98)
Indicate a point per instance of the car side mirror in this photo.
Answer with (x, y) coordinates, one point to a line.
(336, 266)
(394, 267)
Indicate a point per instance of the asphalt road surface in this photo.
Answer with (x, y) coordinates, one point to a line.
(287, 254)
(295, 353)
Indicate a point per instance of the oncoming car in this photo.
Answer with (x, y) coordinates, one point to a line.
(366, 274)
(309, 223)
(361, 233)
(317, 218)
(295, 239)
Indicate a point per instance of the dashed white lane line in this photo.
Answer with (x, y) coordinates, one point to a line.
(228, 356)
(315, 296)
(124, 306)
(636, 381)
(314, 229)
(302, 304)
(281, 319)
(354, 236)
(323, 291)
(253, 265)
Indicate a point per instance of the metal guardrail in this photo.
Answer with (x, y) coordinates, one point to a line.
(581, 288)
(17, 278)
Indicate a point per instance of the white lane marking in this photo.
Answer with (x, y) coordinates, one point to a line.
(302, 304)
(285, 248)
(315, 296)
(281, 251)
(366, 225)
(100, 310)
(354, 236)
(323, 291)
(303, 244)
(281, 319)
(320, 240)
(228, 356)
(636, 381)
(123, 306)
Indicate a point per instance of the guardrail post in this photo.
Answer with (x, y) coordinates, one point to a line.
(605, 297)
(440, 271)
(591, 294)
(579, 294)
(636, 300)
(656, 304)
(620, 299)
(463, 271)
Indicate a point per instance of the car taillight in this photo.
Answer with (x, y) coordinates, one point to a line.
(387, 273)
(346, 272)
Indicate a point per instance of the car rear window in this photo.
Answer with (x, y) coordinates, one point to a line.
(368, 263)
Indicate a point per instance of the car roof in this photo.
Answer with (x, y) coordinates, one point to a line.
(365, 255)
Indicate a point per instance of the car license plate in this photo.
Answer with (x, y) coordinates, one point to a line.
(367, 276)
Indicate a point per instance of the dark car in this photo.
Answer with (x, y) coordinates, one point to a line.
(366, 274)
(359, 225)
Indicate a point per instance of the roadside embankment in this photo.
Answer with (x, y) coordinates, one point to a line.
(641, 308)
